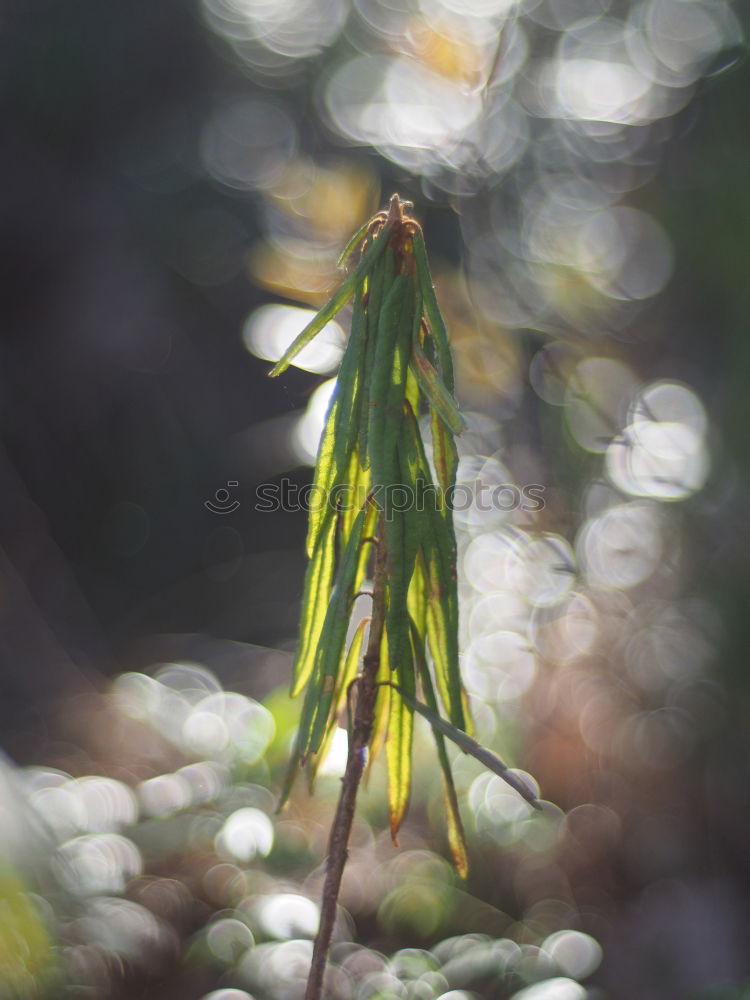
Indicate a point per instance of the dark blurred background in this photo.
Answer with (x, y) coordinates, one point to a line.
(123, 379)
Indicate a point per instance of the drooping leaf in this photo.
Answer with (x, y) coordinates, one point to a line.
(486, 757)
(346, 678)
(434, 389)
(398, 747)
(353, 243)
(332, 639)
(442, 617)
(378, 285)
(445, 458)
(432, 312)
(380, 438)
(348, 388)
(321, 512)
(382, 706)
(317, 593)
(456, 835)
(336, 302)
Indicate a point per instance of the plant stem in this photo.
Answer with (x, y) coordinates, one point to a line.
(359, 739)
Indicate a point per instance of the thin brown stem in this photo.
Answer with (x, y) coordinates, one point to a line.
(359, 739)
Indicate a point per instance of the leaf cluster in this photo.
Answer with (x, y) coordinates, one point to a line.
(397, 367)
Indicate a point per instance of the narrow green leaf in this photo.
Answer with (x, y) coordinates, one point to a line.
(398, 746)
(486, 757)
(309, 706)
(378, 286)
(444, 457)
(321, 511)
(353, 243)
(417, 599)
(442, 616)
(350, 671)
(414, 479)
(396, 502)
(348, 392)
(336, 302)
(456, 836)
(333, 637)
(381, 420)
(317, 593)
(434, 389)
(395, 619)
(382, 705)
(291, 773)
(439, 571)
(352, 498)
(432, 311)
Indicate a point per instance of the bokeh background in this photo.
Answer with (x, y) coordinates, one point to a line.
(178, 178)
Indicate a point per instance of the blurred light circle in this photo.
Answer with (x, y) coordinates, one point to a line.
(560, 988)
(485, 495)
(246, 834)
(500, 811)
(398, 105)
(485, 561)
(600, 90)
(63, 811)
(666, 461)
(167, 793)
(229, 939)
(565, 631)
(270, 330)
(411, 963)
(386, 19)
(623, 547)
(309, 428)
(293, 28)
(287, 915)
(96, 864)
(499, 610)
(248, 143)
(500, 665)
(205, 733)
(274, 965)
(542, 568)
(127, 929)
(490, 145)
(669, 402)
(576, 954)
(480, 8)
(334, 762)
(662, 452)
(191, 680)
(206, 779)
(624, 253)
(136, 695)
(224, 884)
(681, 40)
(550, 370)
(596, 401)
(227, 994)
(108, 804)
(228, 722)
